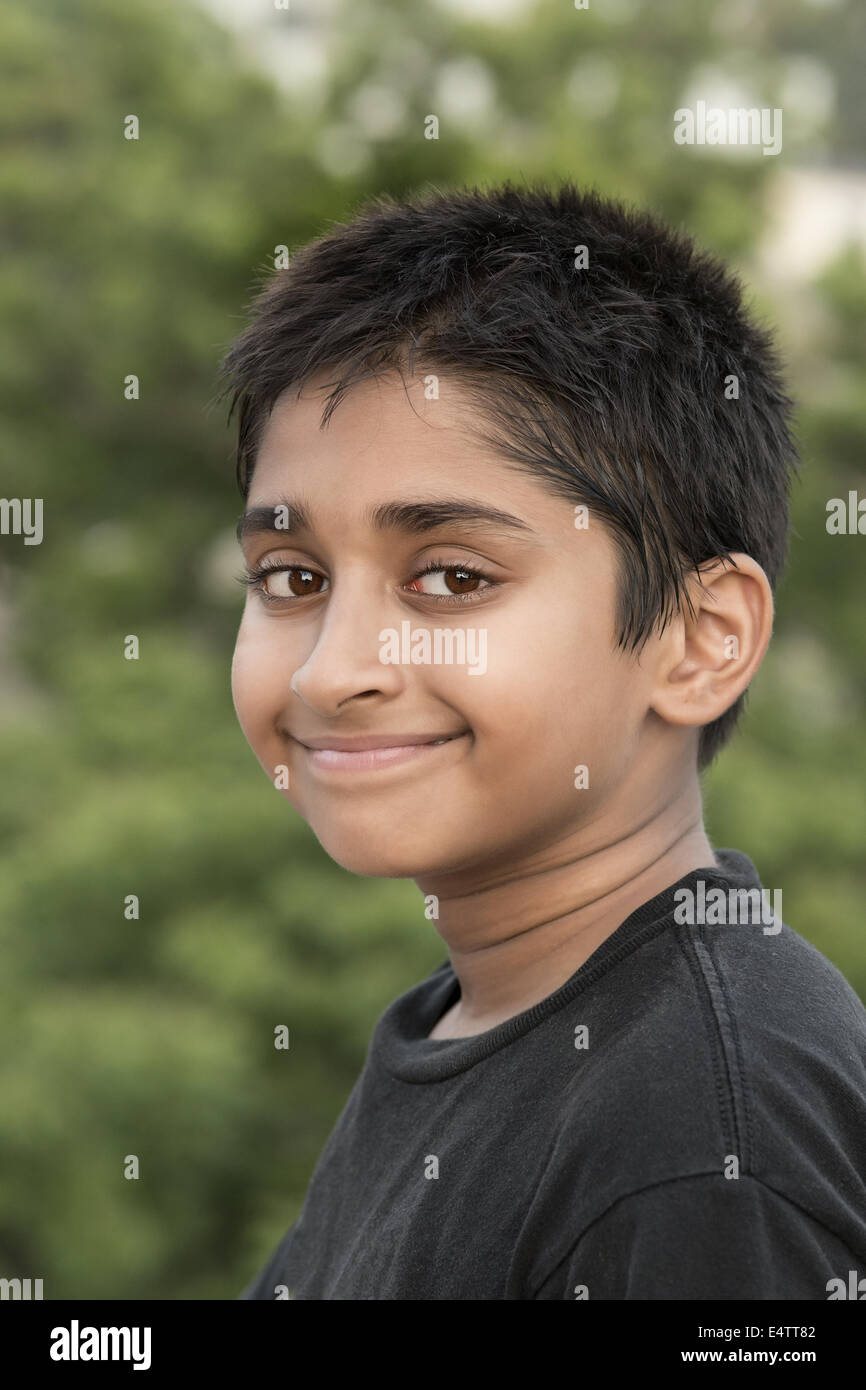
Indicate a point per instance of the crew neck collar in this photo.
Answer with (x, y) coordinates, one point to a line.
(400, 1041)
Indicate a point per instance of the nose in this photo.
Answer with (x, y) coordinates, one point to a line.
(344, 661)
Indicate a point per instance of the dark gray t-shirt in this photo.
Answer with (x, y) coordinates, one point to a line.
(685, 1118)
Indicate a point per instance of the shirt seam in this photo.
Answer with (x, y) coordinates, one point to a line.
(729, 1077)
(670, 1182)
(742, 1071)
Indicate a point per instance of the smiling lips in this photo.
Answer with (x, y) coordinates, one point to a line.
(370, 751)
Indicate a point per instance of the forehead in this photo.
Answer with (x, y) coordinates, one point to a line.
(387, 437)
(379, 423)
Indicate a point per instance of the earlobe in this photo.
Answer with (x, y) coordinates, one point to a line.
(714, 653)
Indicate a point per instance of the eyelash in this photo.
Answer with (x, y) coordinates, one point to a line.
(255, 579)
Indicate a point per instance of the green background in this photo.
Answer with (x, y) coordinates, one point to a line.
(154, 1037)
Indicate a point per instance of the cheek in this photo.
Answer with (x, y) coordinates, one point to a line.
(557, 701)
(256, 682)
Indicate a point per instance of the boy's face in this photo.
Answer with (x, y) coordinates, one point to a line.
(541, 687)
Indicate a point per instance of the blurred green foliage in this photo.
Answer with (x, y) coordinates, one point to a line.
(154, 1036)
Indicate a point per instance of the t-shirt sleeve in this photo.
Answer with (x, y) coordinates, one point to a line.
(702, 1237)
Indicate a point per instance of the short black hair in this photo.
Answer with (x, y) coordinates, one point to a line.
(604, 352)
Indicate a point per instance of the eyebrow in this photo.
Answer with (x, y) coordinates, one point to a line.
(416, 518)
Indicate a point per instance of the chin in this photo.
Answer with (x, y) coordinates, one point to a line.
(377, 855)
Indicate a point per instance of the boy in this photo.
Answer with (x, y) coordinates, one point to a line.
(507, 591)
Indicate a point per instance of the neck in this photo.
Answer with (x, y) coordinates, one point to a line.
(516, 933)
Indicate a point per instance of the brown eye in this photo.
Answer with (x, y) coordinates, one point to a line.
(462, 584)
(303, 581)
(292, 581)
(441, 580)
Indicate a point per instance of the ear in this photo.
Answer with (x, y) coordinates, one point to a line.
(710, 658)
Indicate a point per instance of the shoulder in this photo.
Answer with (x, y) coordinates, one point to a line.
(718, 1061)
(745, 1003)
